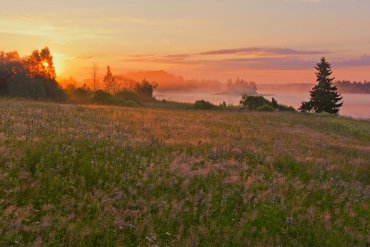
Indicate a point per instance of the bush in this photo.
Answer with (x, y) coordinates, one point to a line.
(101, 97)
(267, 108)
(281, 107)
(253, 102)
(129, 96)
(104, 98)
(259, 103)
(81, 95)
(145, 90)
(204, 105)
(130, 103)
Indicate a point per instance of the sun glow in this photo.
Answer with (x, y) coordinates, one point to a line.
(45, 64)
(58, 64)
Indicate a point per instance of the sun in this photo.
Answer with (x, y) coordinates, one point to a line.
(45, 64)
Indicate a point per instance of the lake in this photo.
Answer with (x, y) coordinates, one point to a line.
(355, 105)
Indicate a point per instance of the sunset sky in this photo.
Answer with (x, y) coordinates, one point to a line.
(267, 41)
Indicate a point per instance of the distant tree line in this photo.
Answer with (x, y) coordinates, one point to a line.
(241, 87)
(249, 103)
(34, 77)
(114, 92)
(354, 87)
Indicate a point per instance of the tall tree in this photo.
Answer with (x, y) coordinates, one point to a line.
(110, 81)
(10, 65)
(324, 95)
(40, 64)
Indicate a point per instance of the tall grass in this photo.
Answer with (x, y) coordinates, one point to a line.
(113, 176)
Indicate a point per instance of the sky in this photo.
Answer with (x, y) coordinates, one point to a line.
(266, 41)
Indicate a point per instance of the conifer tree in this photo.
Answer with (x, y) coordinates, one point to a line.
(324, 95)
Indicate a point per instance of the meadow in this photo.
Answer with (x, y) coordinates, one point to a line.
(114, 176)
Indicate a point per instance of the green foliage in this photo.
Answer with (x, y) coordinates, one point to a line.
(252, 102)
(10, 65)
(324, 95)
(168, 105)
(80, 95)
(265, 107)
(228, 107)
(103, 98)
(22, 86)
(274, 103)
(204, 105)
(282, 107)
(129, 96)
(36, 88)
(260, 103)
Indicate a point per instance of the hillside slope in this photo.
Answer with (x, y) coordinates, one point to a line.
(112, 176)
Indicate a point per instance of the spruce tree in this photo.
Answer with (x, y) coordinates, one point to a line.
(324, 95)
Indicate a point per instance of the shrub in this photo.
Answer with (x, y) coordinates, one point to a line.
(81, 95)
(131, 103)
(253, 102)
(281, 107)
(104, 98)
(129, 96)
(260, 103)
(204, 105)
(265, 107)
(145, 90)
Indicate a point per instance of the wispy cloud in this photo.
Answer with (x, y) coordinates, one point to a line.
(264, 58)
(359, 62)
(247, 57)
(265, 51)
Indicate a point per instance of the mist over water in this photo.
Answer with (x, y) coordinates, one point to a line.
(355, 105)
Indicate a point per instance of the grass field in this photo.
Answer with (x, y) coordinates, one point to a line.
(113, 176)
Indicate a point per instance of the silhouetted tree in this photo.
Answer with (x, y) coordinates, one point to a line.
(10, 65)
(145, 90)
(40, 64)
(32, 76)
(324, 96)
(23, 86)
(110, 82)
(274, 103)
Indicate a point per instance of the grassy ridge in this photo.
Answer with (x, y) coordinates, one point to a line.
(108, 176)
